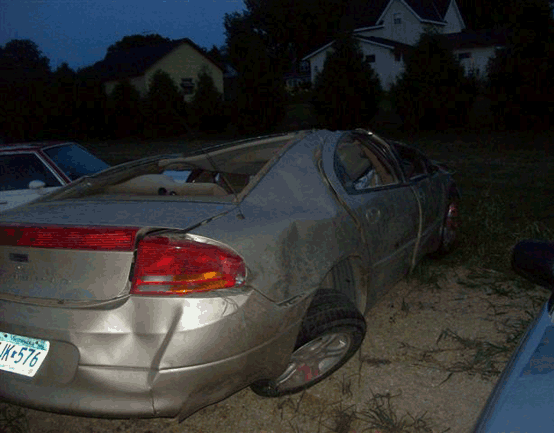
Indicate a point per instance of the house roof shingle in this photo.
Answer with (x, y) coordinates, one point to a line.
(135, 62)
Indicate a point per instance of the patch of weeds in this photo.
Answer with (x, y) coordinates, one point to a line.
(342, 419)
(536, 230)
(405, 307)
(485, 360)
(381, 416)
(486, 235)
(289, 402)
(472, 356)
(371, 361)
(497, 283)
(515, 329)
(13, 419)
(346, 385)
(427, 274)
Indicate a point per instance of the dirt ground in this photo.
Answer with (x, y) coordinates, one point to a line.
(434, 348)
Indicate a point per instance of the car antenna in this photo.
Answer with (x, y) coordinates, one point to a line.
(214, 166)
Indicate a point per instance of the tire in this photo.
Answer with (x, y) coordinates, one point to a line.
(451, 226)
(331, 332)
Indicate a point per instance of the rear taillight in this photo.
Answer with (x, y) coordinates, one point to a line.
(73, 238)
(167, 266)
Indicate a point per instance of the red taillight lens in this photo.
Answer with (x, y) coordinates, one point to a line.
(174, 267)
(73, 238)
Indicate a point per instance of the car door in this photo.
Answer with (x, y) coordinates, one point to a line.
(427, 185)
(367, 178)
(24, 177)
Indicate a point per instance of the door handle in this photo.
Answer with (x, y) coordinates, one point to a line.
(372, 215)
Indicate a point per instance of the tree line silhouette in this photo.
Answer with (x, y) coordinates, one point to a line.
(262, 42)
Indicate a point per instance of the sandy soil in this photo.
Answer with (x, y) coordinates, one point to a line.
(426, 365)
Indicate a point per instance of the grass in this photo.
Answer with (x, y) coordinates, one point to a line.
(12, 419)
(380, 415)
(504, 179)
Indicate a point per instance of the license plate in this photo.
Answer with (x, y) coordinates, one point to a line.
(22, 355)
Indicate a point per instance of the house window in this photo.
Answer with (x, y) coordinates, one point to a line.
(370, 58)
(397, 18)
(316, 70)
(398, 56)
(462, 56)
(187, 86)
(304, 66)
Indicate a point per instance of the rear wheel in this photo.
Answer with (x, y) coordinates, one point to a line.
(331, 332)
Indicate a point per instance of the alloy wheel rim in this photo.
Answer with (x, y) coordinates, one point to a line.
(314, 359)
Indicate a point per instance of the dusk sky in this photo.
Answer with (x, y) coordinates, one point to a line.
(79, 31)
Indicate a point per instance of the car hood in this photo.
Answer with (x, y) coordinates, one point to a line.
(66, 274)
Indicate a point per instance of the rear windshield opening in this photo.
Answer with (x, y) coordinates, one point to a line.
(191, 182)
(222, 174)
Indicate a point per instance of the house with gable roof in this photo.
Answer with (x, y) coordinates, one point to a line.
(388, 29)
(182, 59)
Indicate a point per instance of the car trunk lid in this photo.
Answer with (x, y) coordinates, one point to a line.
(85, 251)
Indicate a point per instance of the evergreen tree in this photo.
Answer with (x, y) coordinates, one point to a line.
(208, 104)
(165, 107)
(521, 77)
(124, 114)
(347, 91)
(433, 92)
(24, 90)
(62, 115)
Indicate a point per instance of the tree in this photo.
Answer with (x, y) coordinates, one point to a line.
(260, 102)
(347, 91)
(207, 102)
(164, 107)
(24, 93)
(521, 77)
(433, 92)
(62, 115)
(124, 114)
(92, 105)
(290, 29)
(136, 41)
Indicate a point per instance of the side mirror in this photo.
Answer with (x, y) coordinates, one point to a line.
(36, 184)
(534, 260)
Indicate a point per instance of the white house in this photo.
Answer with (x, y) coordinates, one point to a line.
(394, 26)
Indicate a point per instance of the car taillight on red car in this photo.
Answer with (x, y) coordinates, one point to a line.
(166, 266)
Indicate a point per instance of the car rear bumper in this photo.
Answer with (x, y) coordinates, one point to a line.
(127, 393)
(173, 366)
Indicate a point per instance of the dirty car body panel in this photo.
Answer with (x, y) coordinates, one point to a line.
(138, 293)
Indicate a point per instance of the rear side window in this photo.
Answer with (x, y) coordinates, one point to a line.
(359, 167)
(75, 161)
(17, 170)
(413, 163)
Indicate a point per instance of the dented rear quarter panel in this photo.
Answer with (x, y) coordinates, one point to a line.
(290, 228)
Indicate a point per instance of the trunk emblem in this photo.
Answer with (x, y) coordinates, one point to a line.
(19, 258)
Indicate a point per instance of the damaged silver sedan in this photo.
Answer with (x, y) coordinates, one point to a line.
(166, 284)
